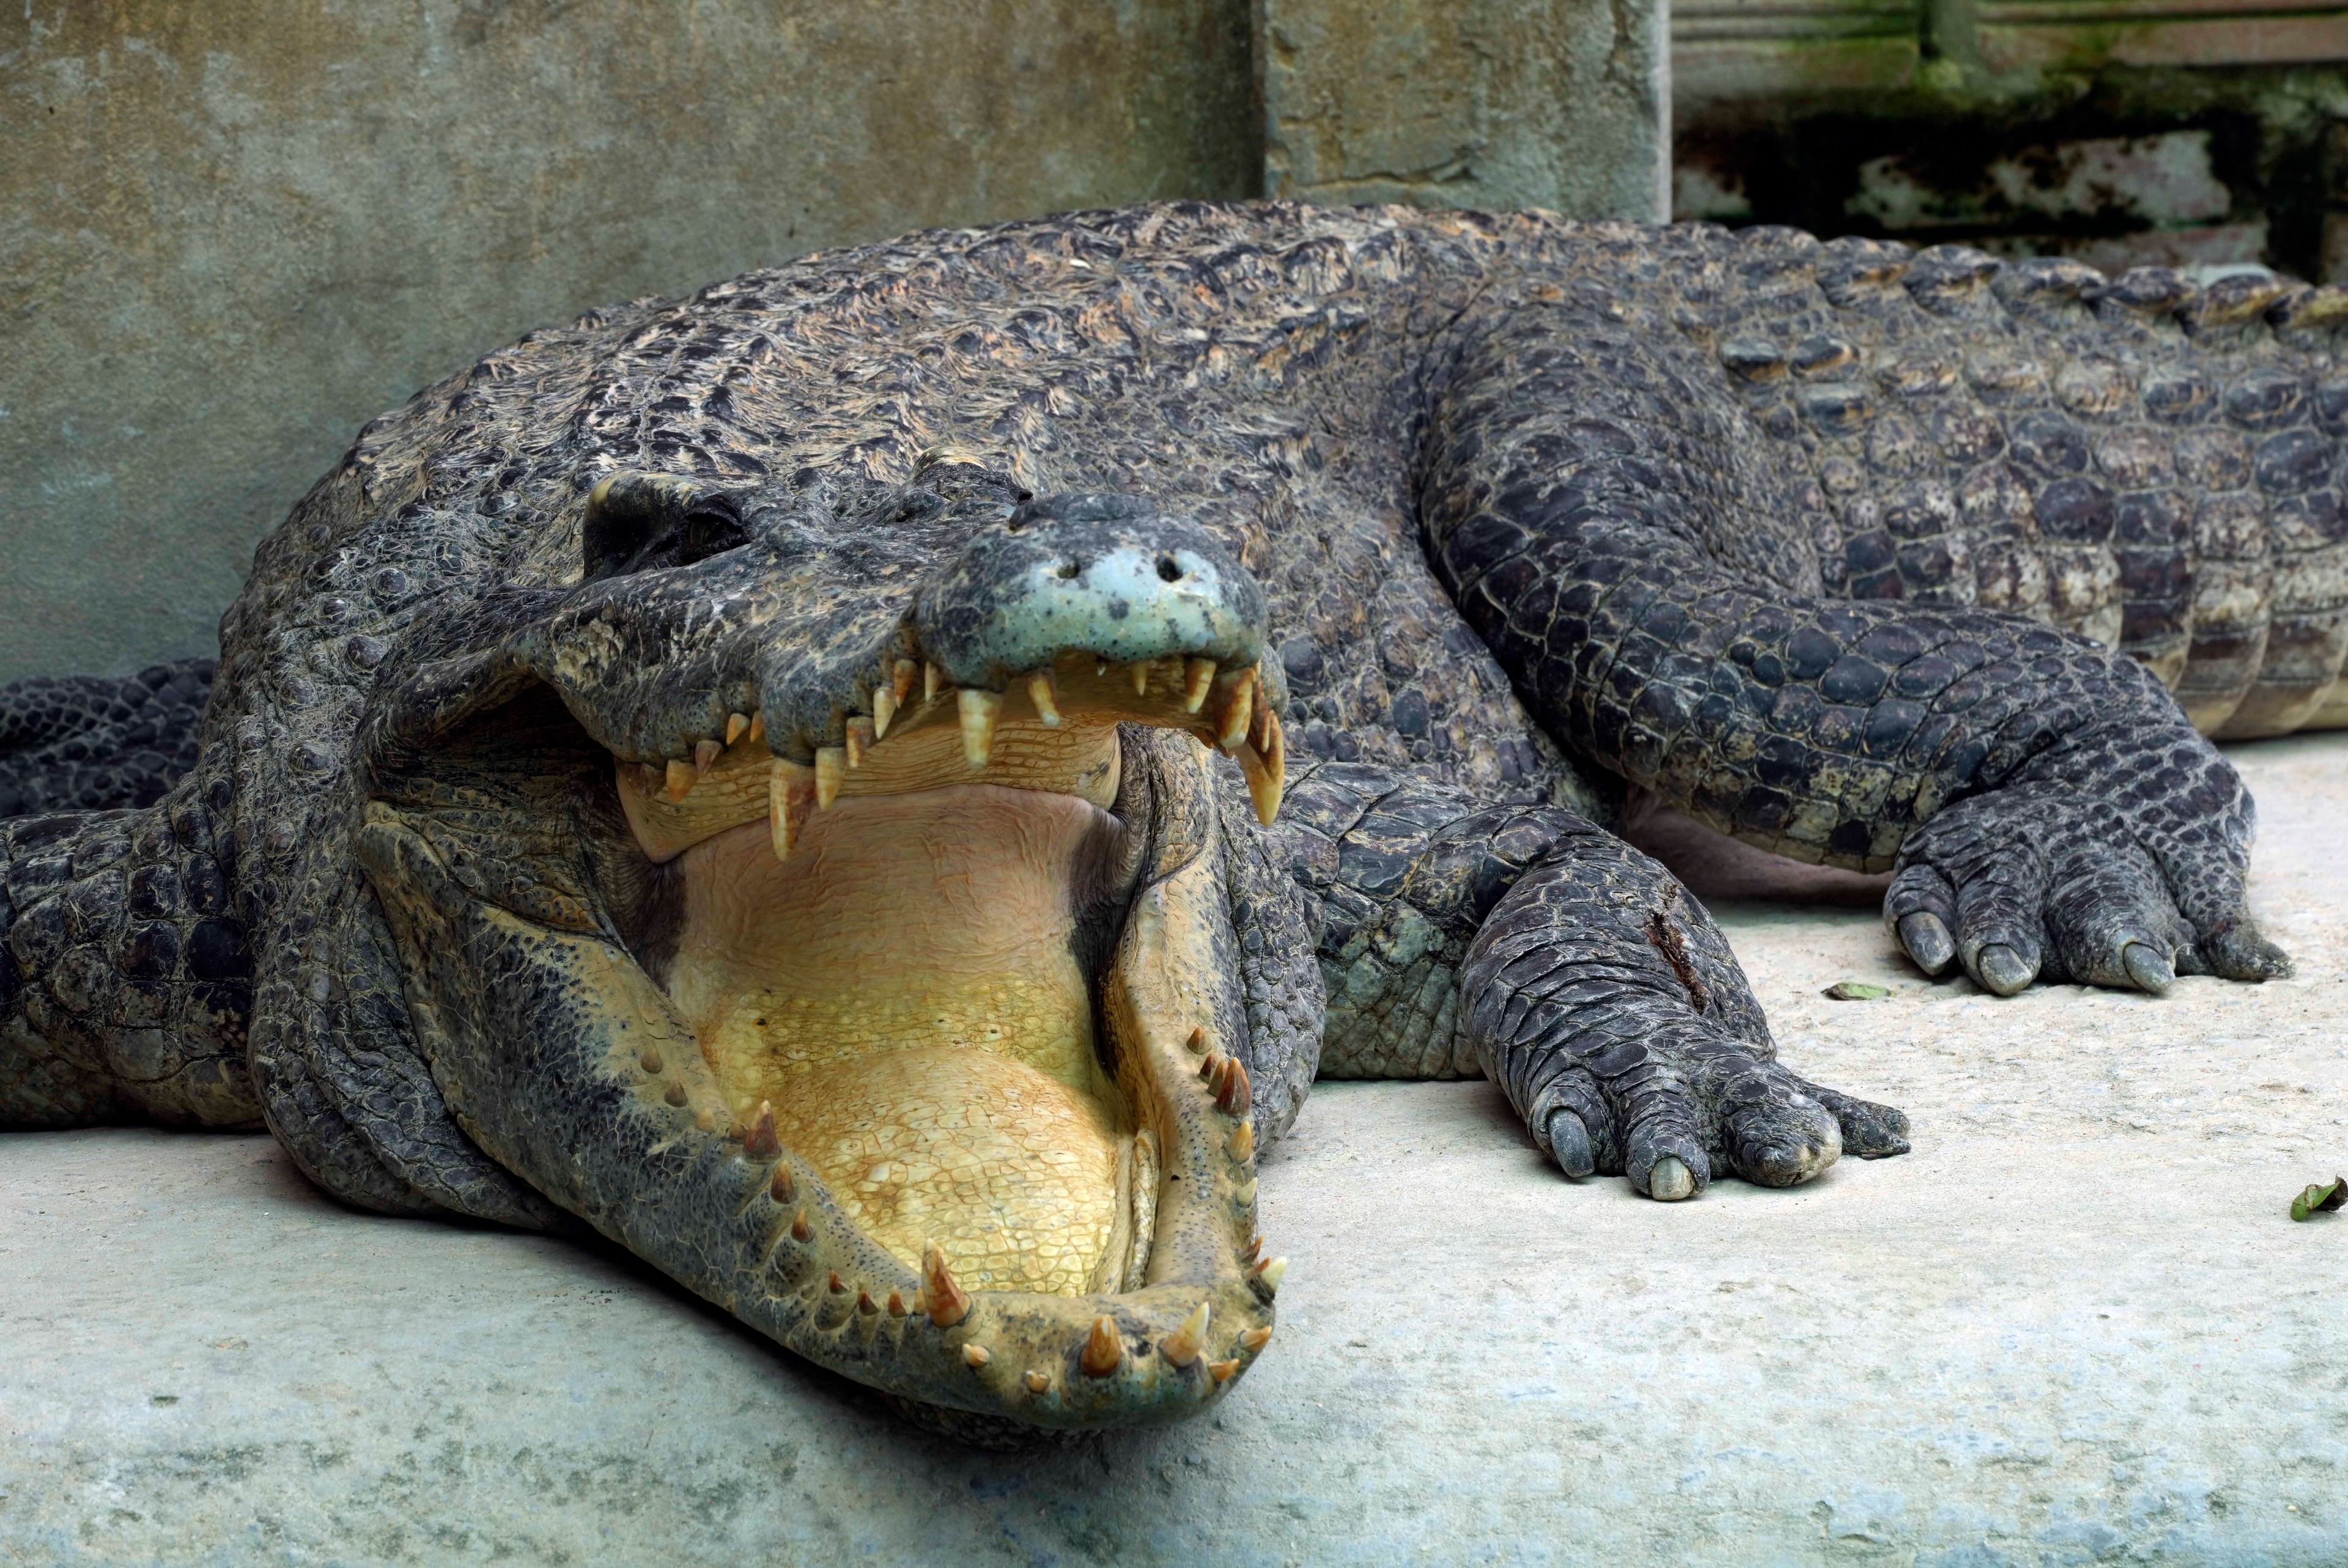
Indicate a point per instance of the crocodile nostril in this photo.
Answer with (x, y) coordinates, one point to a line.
(1167, 569)
(1067, 569)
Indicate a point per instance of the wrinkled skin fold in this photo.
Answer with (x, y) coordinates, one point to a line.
(878, 788)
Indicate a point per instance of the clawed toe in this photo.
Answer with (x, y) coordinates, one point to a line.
(2001, 969)
(1568, 1144)
(1927, 940)
(1669, 1180)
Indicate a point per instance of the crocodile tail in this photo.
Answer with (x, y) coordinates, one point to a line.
(2153, 461)
(125, 981)
(88, 742)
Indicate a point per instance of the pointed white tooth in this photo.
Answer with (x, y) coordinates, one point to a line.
(758, 731)
(706, 755)
(1272, 1273)
(1046, 701)
(781, 825)
(1237, 710)
(978, 710)
(1197, 679)
(1181, 1347)
(933, 681)
(1140, 672)
(735, 725)
(830, 772)
(680, 780)
(1266, 771)
(884, 708)
(862, 733)
(900, 679)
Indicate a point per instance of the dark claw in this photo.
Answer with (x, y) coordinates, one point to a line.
(1569, 1141)
(1670, 1181)
(1869, 1130)
(1927, 940)
(2240, 953)
(2148, 968)
(2003, 971)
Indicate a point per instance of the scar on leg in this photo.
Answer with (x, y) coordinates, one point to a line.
(1664, 938)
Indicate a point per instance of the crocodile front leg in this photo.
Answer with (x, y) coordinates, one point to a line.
(2051, 810)
(1530, 944)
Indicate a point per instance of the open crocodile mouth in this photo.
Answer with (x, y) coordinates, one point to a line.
(951, 1014)
(895, 960)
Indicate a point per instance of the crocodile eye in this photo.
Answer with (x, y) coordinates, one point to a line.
(711, 529)
(645, 522)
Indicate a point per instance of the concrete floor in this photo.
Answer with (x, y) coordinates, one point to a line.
(2074, 1327)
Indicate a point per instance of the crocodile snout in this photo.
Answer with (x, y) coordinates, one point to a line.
(1110, 575)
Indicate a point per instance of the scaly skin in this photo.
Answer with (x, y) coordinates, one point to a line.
(1867, 557)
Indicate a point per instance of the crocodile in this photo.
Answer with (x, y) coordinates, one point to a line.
(878, 787)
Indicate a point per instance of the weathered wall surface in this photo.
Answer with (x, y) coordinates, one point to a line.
(231, 230)
(2176, 133)
(1560, 104)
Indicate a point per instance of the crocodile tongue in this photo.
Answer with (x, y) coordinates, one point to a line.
(909, 993)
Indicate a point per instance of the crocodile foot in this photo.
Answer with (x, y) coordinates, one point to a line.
(2044, 882)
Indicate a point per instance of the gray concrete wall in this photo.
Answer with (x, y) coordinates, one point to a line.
(1562, 104)
(232, 230)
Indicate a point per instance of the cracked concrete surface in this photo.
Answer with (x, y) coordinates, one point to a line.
(2074, 1327)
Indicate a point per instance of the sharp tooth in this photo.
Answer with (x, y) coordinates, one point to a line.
(1037, 1380)
(1223, 1371)
(1212, 1066)
(706, 755)
(1272, 1274)
(675, 1094)
(946, 1302)
(1198, 679)
(976, 1356)
(1243, 1142)
(896, 1304)
(1266, 775)
(865, 1304)
(1040, 692)
(705, 1119)
(800, 1229)
(1141, 671)
(735, 725)
(1256, 1338)
(830, 772)
(900, 679)
(933, 681)
(1232, 1095)
(758, 727)
(1245, 1193)
(1255, 1250)
(884, 708)
(1181, 1346)
(680, 780)
(862, 733)
(837, 1288)
(978, 710)
(1198, 1041)
(1238, 709)
(1101, 669)
(784, 1189)
(651, 1060)
(1103, 1349)
(760, 1143)
(786, 812)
